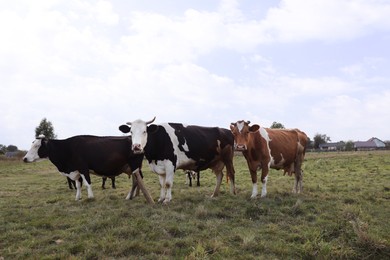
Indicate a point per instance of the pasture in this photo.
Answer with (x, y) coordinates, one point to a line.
(343, 213)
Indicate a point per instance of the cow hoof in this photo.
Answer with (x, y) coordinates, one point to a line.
(166, 202)
(253, 197)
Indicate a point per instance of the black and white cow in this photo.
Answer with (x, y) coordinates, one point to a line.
(192, 175)
(77, 156)
(172, 146)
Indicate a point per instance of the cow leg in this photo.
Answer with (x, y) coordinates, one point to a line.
(189, 177)
(219, 177)
(70, 183)
(87, 182)
(230, 173)
(298, 179)
(170, 173)
(78, 189)
(104, 182)
(197, 178)
(264, 179)
(113, 182)
(162, 186)
(254, 183)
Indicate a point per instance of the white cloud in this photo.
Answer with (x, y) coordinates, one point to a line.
(88, 69)
(325, 20)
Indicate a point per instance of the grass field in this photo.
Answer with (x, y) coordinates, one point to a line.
(343, 213)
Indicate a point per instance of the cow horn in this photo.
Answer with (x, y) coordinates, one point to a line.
(147, 122)
(248, 122)
(151, 121)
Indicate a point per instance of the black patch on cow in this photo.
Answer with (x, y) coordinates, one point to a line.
(159, 146)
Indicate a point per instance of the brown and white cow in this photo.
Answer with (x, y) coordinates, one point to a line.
(267, 148)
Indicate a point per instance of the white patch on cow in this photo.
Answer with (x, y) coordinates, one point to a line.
(240, 126)
(72, 175)
(185, 146)
(165, 169)
(138, 133)
(264, 134)
(254, 190)
(32, 154)
(182, 159)
(280, 163)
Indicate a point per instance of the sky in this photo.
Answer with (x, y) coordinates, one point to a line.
(322, 66)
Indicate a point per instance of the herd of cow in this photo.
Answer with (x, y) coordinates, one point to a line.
(171, 146)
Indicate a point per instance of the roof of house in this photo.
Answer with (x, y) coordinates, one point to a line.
(370, 143)
(338, 144)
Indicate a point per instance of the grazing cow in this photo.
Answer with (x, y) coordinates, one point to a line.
(172, 146)
(192, 175)
(266, 148)
(76, 156)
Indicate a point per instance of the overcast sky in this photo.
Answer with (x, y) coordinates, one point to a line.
(88, 66)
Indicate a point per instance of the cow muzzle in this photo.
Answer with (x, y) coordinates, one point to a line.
(137, 148)
(240, 147)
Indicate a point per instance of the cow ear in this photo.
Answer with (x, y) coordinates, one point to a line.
(152, 129)
(232, 127)
(254, 128)
(124, 129)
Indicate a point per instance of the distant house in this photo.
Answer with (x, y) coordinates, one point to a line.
(11, 154)
(339, 146)
(371, 144)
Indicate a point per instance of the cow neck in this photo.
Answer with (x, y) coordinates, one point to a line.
(56, 151)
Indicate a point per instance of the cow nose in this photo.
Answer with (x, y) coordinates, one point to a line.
(137, 148)
(24, 159)
(241, 147)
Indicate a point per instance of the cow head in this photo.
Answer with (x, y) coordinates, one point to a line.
(241, 131)
(38, 150)
(139, 133)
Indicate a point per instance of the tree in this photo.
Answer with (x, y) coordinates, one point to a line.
(349, 145)
(277, 125)
(320, 139)
(3, 149)
(12, 148)
(46, 128)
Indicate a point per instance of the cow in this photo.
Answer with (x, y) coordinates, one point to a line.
(267, 148)
(192, 175)
(172, 146)
(76, 156)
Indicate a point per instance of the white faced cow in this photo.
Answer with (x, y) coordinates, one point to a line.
(75, 157)
(172, 146)
(266, 148)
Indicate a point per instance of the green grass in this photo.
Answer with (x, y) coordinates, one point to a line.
(342, 213)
